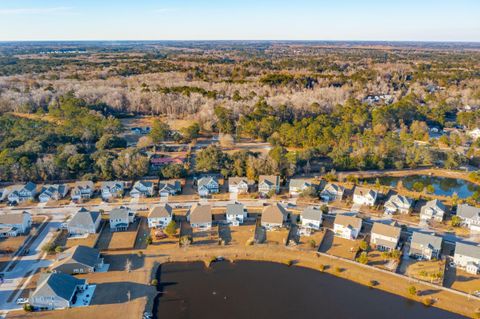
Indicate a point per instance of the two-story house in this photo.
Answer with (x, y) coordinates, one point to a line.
(385, 237)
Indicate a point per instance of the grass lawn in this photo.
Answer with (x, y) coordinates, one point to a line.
(431, 271)
(118, 240)
(338, 246)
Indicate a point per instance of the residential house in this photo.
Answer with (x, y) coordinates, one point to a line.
(113, 189)
(78, 260)
(364, 196)
(82, 190)
(207, 185)
(297, 186)
(52, 192)
(433, 210)
(200, 216)
(311, 217)
(239, 185)
(332, 192)
(467, 256)
(268, 183)
(56, 291)
(142, 189)
(470, 216)
(274, 216)
(168, 188)
(14, 224)
(22, 193)
(425, 246)
(346, 226)
(236, 214)
(398, 204)
(84, 222)
(474, 134)
(121, 218)
(3, 194)
(385, 237)
(160, 216)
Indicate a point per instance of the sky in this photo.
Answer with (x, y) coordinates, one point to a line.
(390, 20)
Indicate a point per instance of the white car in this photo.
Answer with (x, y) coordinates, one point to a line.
(21, 301)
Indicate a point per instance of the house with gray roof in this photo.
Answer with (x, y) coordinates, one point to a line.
(22, 193)
(274, 216)
(13, 224)
(169, 188)
(347, 226)
(364, 196)
(78, 260)
(296, 186)
(385, 237)
(470, 216)
(112, 189)
(433, 210)
(160, 216)
(82, 190)
(200, 216)
(142, 189)
(3, 194)
(207, 185)
(425, 246)
(84, 222)
(236, 214)
(52, 192)
(332, 192)
(268, 183)
(120, 218)
(467, 256)
(311, 217)
(239, 185)
(56, 291)
(398, 204)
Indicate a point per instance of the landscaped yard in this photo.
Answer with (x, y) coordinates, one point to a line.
(431, 271)
(376, 258)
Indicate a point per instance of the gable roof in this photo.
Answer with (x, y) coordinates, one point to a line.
(84, 185)
(112, 184)
(78, 254)
(434, 204)
(57, 284)
(312, 213)
(423, 240)
(206, 180)
(348, 221)
(235, 209)
(299, 183)
(119, 213)
(467, 250)
(333, 188)
(399, 201)
(31, 187)
(386, 230)
(467, 211)
(143, 184)
(363, 191)
(274, 214)
(200, 214)
(169, 186)
(237, 180)
(161, 211)
(271, 180)
(84, 218)
(12, 218)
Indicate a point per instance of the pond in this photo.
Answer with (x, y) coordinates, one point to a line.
(248, 289)
(443, 186)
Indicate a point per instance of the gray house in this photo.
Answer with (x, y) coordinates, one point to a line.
(274, 216)
(53, 192)
(121, 218)
(84, 222)
(78, 260)
(425, 246)
(56, 291)
(332, 192)
(167, 188)
(200, 216)
(22, 193)
(112, 190)
(433, 210)
(82, 190)
(470, 216)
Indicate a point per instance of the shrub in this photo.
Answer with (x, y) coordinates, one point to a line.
(149, 240)
(289, 262)
(412, 290)
(27, 307)
(321, 267)
(363, 258)
(58, 249)
(154, 282)
(372, 283)
(312, 243)
(427, 302)
(249, 242)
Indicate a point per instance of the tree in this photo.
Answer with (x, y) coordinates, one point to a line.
(456, 221)
(130, 164)
(430, 189)
(412, 290)
(363, 245)
(210, 159)
(191, 132)
(363, 258)
(171, 228)
(160, 131)
(173, 171)
(109, 141)
(226, 141)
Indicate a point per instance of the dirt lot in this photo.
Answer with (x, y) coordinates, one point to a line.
(339, 247)
(118, 240)
(65, 241)
(11, 244)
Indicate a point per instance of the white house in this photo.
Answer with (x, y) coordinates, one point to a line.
(433, 210)
(236, 214)
(160, 216)
(332, 192)
(84, 222)
(425, 246)
(113, 189)
(142, 189)
(470, 216)
(267, 183)
(22, 193)
(274, 216)
(169, 188)
(121, 218)
(364, 196)
(207, 186)
(52, 192)
(239, 185)
(474, 134)
(297, 186)
(311, 217)
(14, 224)
(385, 237)
(346, 226)
(82, 190)
(398, 204)
(200, 216)
(467, 257)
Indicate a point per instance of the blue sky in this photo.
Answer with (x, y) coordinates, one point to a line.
(396, 20)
